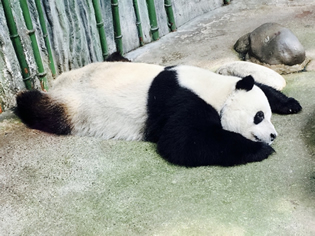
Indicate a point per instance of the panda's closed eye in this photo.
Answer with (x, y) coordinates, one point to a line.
(259, 117)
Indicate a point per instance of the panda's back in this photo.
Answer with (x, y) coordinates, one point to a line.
(211, 87)
(107, 99)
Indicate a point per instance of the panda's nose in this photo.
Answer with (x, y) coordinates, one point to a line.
(273, 136)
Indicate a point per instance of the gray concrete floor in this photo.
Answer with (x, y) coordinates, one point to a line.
(52, 185)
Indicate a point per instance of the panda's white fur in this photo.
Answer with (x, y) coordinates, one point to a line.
(232, 114)
(211, 87)
(117, 90)
(261, 74)
(195, 116)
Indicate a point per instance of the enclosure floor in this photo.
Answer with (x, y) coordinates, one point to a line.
(52, 185)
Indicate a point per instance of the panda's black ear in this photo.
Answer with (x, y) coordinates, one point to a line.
(246, 83)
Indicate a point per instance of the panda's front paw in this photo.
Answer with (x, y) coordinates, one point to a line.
(292, 106)
(260, 152)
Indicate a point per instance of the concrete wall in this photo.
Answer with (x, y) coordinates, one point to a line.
(74, 37)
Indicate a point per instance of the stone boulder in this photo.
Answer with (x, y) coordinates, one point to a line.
(271, 44)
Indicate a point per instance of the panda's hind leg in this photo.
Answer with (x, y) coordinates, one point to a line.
(279, 102)
(39, 111)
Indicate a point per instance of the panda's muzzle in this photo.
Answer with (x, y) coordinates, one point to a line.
(272, 138)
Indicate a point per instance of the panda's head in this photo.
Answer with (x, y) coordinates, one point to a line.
(247, 112)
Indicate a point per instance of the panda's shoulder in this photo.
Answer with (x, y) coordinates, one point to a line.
(211, 87)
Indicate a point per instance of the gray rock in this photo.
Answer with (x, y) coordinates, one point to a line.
(273, 44)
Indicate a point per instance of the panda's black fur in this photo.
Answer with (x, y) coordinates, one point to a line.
(187, 130)
(38, 111)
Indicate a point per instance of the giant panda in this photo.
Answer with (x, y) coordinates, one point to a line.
(196, 117)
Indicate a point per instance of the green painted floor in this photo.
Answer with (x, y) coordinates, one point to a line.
(51, 185)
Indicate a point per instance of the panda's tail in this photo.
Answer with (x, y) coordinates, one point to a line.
(39, 111)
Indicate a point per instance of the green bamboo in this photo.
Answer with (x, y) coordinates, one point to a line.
(16, 41)
(31, 33)
(226, 2)
(153, 20)
(100, 27)
(138, 22)
(170, 15)
(46, 38)
(117, 29)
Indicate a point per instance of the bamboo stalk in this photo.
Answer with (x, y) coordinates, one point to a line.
(100, 27)
(16, 41)
(138, 22)
(46, 38)
(31, 32)
(153, 20)
(117, 29)
(170, 15)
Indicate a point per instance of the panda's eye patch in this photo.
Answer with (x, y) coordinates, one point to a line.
(259, 117)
